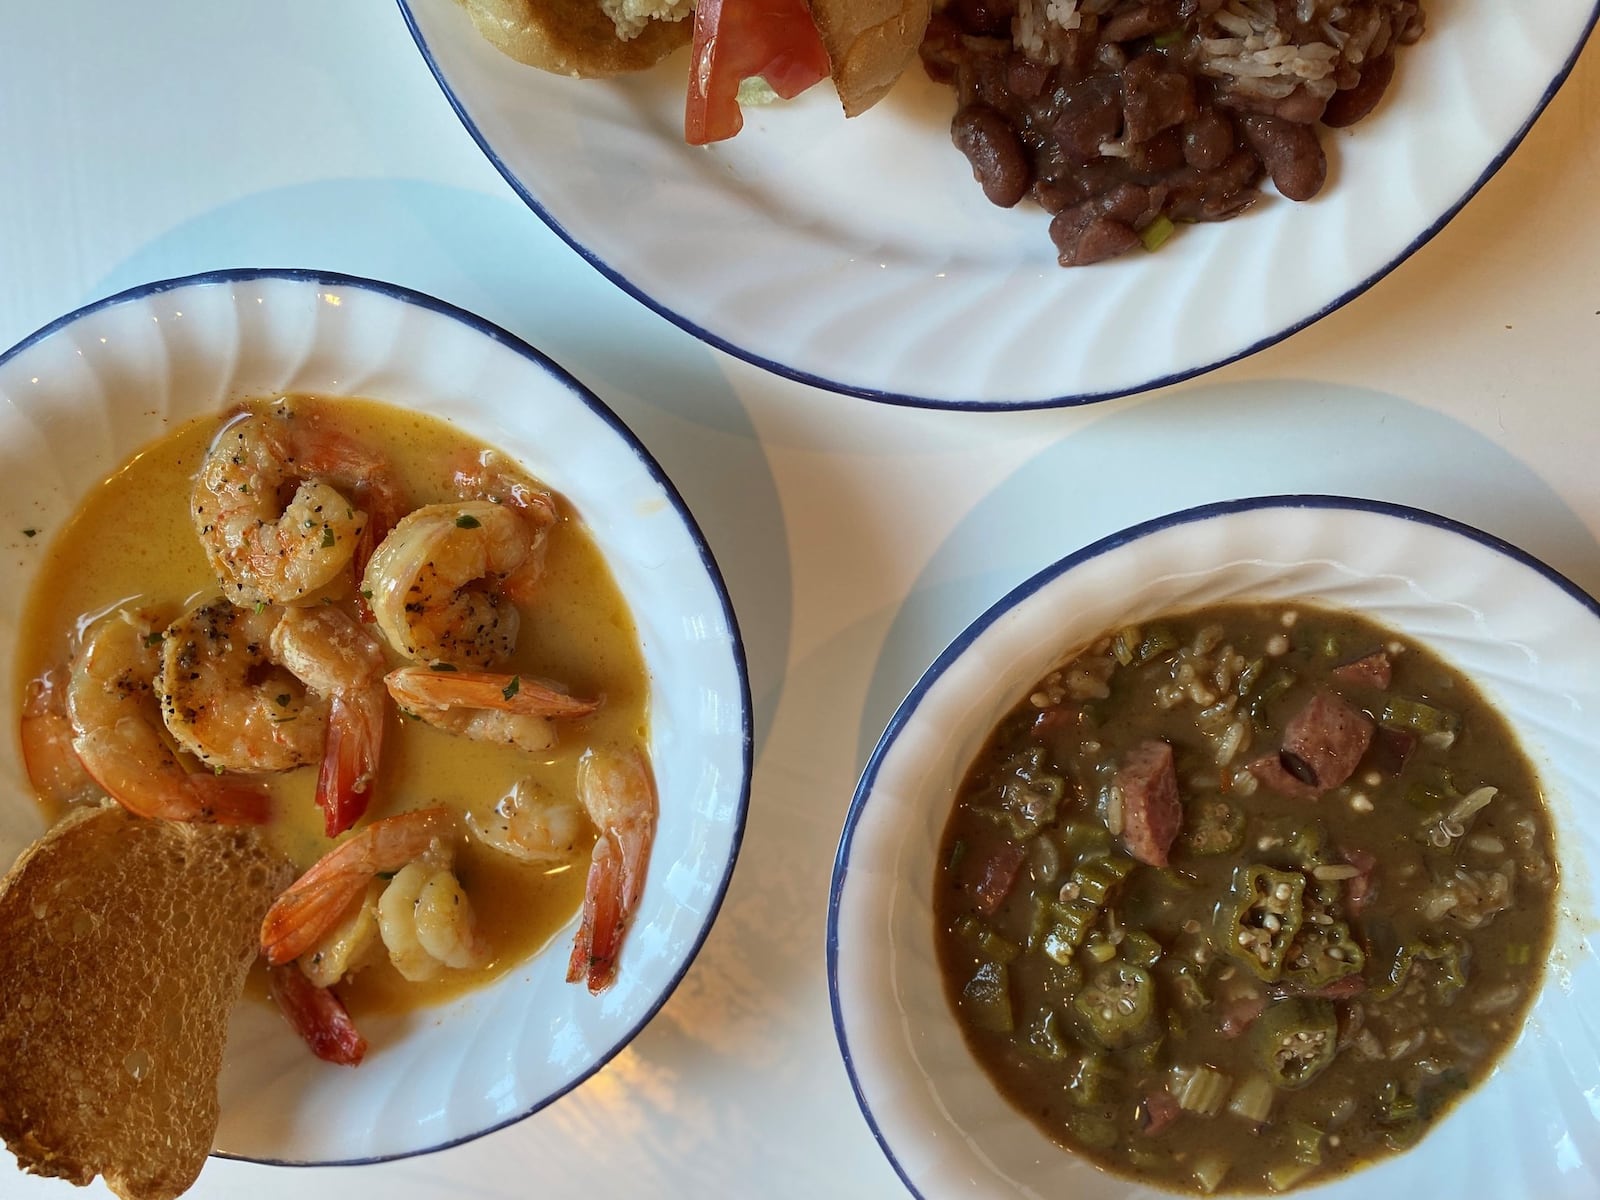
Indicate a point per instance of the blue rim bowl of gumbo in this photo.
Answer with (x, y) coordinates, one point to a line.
(1237, 868)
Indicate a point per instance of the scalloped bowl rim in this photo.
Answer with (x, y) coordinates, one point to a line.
(862, 999)
(732, 772)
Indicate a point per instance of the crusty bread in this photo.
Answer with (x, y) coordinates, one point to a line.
(572, 37)
(124, 945)
(870, 43)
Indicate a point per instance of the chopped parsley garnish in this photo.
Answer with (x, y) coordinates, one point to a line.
(466, 521)
(512, 688)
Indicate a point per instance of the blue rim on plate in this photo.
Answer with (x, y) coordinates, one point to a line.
(511, 342)
(1016, 596)
(896, 398)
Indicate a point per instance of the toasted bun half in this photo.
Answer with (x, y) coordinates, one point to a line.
(124, 945)
(870, 43)
(572, 37)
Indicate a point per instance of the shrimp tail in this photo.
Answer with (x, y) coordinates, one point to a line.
(46, 732)
(349, 762)
(338, 880)
(318, 1016)
(230, 801)
(426, 688)
(385, 505)
(620, 796)
(139, 779)
(298, 918)
(594, 950)
(323, 451)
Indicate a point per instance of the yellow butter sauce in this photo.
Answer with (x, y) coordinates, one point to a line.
(132, 542)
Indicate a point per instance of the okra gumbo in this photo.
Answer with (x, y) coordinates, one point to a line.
(1245, 897)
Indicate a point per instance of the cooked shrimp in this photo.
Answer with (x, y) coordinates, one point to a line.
(52, 764)
(619, 794)
(270, 689)
(533, 825)
(227, 701)
(284, 504)
(340, 661)
(486, 706)
(336, 882)
(116, 731)
(427, 922)
(435, 584)
(349, 945)
(490, 475)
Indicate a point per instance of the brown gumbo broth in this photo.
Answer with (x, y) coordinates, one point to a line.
(1245, 897)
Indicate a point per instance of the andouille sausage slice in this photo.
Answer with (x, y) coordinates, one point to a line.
(1330, 735)
(1370, 670)
(1322, 745)
(999, 876)
(1273, 774)
(1152, 812)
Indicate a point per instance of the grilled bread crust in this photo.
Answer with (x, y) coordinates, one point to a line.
(870, 43)
(124, 945)
(572, 37)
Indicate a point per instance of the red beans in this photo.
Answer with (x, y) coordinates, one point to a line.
(1207, 140)
(1291, 153)
(995, 151)
(1349, 106)
(1139, 95)
(1089, 115)
(1154, 98)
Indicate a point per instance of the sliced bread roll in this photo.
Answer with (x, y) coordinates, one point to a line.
(573, 37)
(870, 44)
(124, 945)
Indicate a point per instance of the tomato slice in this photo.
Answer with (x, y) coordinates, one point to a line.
(735, 40)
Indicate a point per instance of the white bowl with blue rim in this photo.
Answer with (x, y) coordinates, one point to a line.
(1528, 637)
(79, 397)
(860, 255)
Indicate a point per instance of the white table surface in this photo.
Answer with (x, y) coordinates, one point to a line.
(143, 141)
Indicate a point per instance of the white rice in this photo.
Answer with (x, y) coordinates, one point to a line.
(631, 16)
(1240, 44)
(1245, 46)
(1036, 20)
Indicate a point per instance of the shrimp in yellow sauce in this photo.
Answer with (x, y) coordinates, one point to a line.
(417, 669)
(117, 735)
(268, 547)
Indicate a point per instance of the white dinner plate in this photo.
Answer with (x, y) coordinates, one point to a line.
(1527, 637)
(81, 396)
(860, 256)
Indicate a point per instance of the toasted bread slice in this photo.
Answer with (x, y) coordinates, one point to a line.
(572, 37)
(124, 945)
